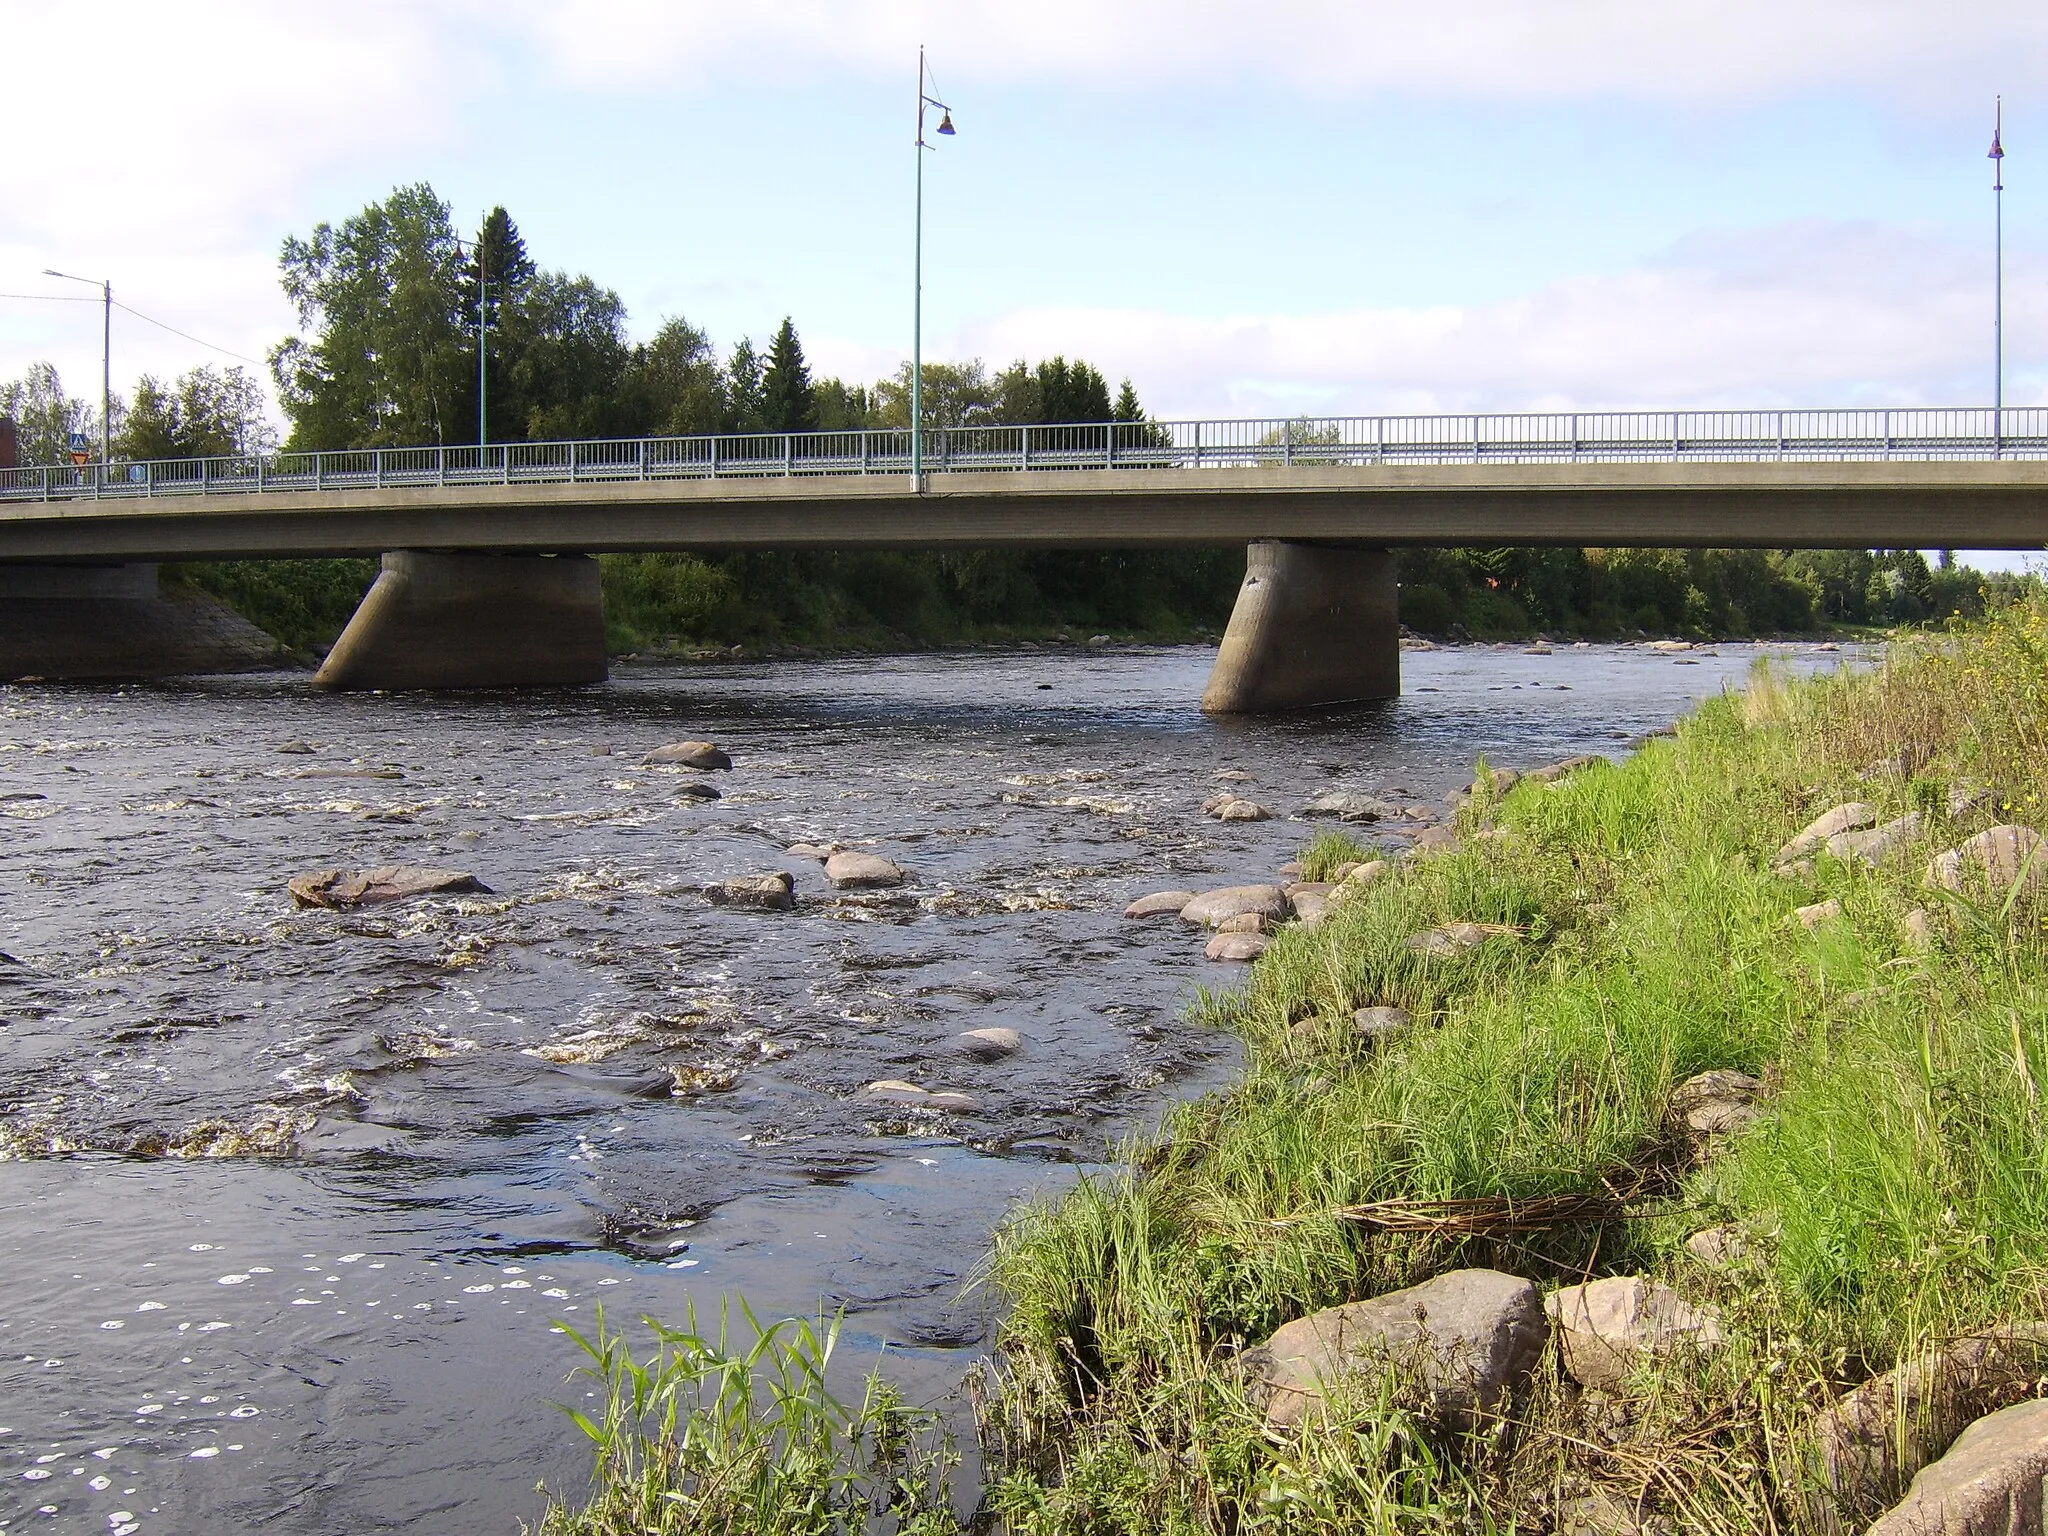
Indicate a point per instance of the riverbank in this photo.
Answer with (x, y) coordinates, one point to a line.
(1748, 1126)
(1857, 1183)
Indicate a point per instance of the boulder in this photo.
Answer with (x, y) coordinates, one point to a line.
(1244, 922)
(1377, 1026)
(1820, 912)
(857, 870)
(1876, 844)
(811, 850)
(1992, 1482)
(771, 893)
(689, 754)
(1468, 1338)
(1360, 877)
(1159, 904)
(1966, 797)
(1212, 908)
(393, 882)
(1916, 929)
(989, 1044)
(1552, 772)
(1238, 948)
(2005, 858)
(1344, 805)
(1456, 938)
(1430, 840)
(1310, 906)
(1879, 1434)
(1716, 1103)
(1294, 890)
(1234, 809)
(1843, 818)
(1233, 776)
(697, 791)
(892, 1090)
(1606, 1326)
(1718, 1247)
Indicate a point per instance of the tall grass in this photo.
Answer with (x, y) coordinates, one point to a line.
(1893, 1193)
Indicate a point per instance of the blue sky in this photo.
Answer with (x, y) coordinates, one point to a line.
(1246, 208)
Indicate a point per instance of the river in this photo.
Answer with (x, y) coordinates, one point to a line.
(437, 1126)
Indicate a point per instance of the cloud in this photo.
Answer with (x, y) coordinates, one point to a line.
(1688, 51)
(1803, 315)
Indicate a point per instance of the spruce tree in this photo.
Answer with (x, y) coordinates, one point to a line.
(787, 401)
(1127, 407)
(743, 396)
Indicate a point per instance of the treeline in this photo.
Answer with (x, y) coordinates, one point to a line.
(1502, 593)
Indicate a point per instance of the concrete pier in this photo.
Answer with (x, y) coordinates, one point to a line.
(1315, 624)
(473, 621)
(88, 622)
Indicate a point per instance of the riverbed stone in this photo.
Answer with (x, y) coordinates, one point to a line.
(1819, 912)
(1379, 1025)
(689, 754)
(1456, 938)
(990, 1043)
(768, 893)
(1431, 840)
(1234, 809)
(1605, 1327)
(1717, 1103)
(1159, 904)
(1237, 948)
(853, 870)
(1244, 922)
(1213, 907)
(1847, 817)
(1469, 1339)
(2004, 857)
(819, 851)
(391, 882)
(1992, 1482)
(1875, 844)
(696, 790)
(1880, 1433)
(1346, 805)
(1311, 908)
(1550, 773)
(892, 1090)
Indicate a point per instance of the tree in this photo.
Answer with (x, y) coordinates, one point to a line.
(680, 387)
(745, 401)
(1127, 407)
(567, 359)
(1071, 392)
(496, 275)
(44, 416)
(383, 358)
(842, 407)
(955, 395)
(203, 414)
(787, 404)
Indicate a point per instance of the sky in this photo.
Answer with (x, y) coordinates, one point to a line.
(1248, 209)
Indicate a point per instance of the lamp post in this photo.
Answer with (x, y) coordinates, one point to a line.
(483, 275)
(917, 277)
(1997, 158)
(106, 289)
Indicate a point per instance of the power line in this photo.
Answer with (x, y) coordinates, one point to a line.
(53, 298)
(225, 351)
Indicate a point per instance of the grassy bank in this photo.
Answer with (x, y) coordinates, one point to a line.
(1891, 1195)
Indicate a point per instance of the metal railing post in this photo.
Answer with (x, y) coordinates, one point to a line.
(714, 458)
(1781, 437)
(786, 470)
(1109, 446)
(377, 463)
(863, 450)
(1024, 447)
(1887, 435)
(1674, 437)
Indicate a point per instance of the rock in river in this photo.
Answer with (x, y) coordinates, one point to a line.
(1212, 908)
(1239, 948)
(1377, 1026)
(771, 893)
(1470, 1337)
(1346, 806)
(394, 882)
(1232, 808)
(854, 871)
(1159, 904)
(895, 1091)
(992, 1043)
(690, 754)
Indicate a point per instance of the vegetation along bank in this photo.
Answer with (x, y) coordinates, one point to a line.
(1670, 1138)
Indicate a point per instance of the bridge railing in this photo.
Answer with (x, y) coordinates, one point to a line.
(1588, 437)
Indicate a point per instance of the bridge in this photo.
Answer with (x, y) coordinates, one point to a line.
(1321, 502)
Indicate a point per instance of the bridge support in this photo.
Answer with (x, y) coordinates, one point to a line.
(86, 622)
(1315, 624)
(473, 621)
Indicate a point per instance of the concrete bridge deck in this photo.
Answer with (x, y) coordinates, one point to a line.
(1983, 504)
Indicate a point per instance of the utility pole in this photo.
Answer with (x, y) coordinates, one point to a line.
(106, 288)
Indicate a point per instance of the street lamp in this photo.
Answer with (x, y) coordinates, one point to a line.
(917, 275)
(1997, 159)
(482, 325)
(106, 289)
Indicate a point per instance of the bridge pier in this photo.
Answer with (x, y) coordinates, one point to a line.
(87, 622)
(1314, 625)
(473, 621)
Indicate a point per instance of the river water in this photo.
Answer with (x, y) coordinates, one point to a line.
(289, 1198)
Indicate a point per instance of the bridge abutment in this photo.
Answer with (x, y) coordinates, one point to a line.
(1314, 625)
(86, 622)
(473, 621)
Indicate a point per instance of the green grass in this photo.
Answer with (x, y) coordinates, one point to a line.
(1894, 1192)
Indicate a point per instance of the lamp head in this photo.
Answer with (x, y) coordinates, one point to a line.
(946, 124)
